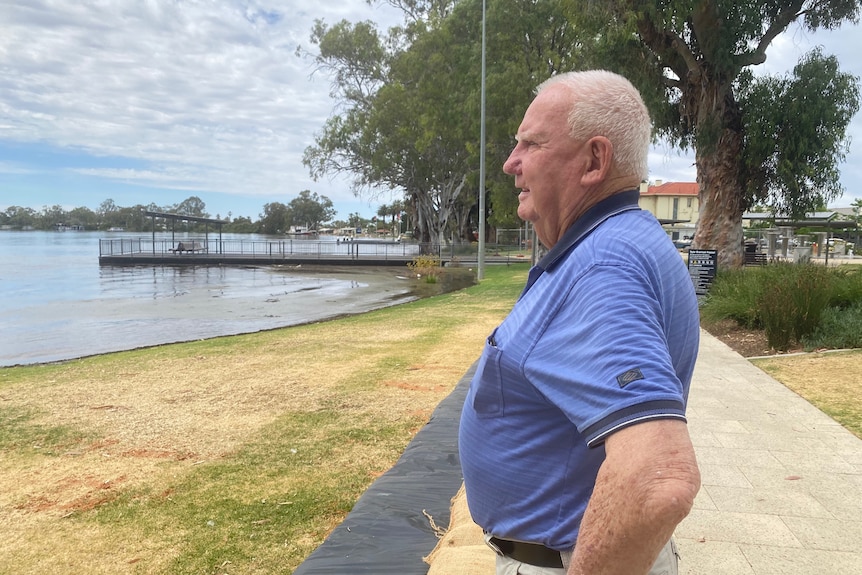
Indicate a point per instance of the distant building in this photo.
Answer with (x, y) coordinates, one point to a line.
(674, 204)
(847, 213)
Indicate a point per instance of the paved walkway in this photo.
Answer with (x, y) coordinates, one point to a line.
(781, 481)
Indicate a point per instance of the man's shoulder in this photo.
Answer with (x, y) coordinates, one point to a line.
(626, 235)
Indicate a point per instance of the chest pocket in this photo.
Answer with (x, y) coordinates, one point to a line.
(488, 381)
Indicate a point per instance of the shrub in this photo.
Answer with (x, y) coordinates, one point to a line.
(426, 266)
(839, 328)
(847, 286)
(785, 300)
(734, 295)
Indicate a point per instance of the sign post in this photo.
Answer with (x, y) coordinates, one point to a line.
(701, 267)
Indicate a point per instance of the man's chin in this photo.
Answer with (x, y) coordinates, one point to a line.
(526, 214)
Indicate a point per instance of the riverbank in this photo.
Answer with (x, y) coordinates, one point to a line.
(157, 306)
(59, 303)
(240, 454)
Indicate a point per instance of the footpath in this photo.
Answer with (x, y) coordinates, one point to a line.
(781, 481)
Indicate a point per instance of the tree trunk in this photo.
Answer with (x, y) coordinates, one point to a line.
(718, 157)
(719, 224)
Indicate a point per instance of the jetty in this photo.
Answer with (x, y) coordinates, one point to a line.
(209, 247)
(289, 251)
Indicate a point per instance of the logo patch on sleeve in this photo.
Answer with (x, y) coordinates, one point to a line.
(629, 376)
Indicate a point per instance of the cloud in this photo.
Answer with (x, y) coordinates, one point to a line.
(14, 168)
(210, 95)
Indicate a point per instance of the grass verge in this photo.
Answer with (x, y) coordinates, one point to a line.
(832, 382)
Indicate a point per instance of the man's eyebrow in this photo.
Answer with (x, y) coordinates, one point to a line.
(529, 136)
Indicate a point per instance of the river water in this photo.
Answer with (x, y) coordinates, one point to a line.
(57, 303)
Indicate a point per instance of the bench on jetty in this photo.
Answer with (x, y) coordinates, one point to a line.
(189, 247)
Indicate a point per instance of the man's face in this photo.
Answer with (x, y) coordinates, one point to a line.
(547, 165)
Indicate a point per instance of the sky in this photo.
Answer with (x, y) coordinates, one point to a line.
(154, 101)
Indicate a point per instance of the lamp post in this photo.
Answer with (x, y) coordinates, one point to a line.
(481, 262)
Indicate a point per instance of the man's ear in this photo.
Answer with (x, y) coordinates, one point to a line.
(601, 155)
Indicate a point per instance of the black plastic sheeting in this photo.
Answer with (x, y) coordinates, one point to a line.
(387, 532)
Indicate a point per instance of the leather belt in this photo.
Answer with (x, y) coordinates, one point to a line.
(529, 553)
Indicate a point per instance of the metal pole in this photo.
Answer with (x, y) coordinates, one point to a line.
(481, 264)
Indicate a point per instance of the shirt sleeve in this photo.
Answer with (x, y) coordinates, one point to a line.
(603, 358)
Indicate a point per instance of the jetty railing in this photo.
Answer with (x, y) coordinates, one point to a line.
(266, 249)
(203, 249)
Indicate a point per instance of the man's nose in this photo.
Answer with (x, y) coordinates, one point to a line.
(512, 165)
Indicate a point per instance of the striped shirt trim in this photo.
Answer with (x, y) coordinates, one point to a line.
(598, 432)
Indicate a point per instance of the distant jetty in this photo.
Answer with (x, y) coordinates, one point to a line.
(209, 251)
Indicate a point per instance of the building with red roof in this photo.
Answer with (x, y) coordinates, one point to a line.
(674, 203)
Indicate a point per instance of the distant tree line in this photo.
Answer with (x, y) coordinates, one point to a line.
(308, 211)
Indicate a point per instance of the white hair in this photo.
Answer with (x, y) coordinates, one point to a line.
(607, 104)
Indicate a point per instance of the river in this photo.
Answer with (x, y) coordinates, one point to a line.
(58, 303)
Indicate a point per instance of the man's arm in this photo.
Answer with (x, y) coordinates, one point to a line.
(645, 487)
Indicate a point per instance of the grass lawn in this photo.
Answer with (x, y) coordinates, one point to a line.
(832, 382)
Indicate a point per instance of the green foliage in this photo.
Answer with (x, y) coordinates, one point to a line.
(274, 218)
(414, 124)
(795, 133)
(734, 295)
(792, 300)
(839, 328)
(309, 210)
(786, 300)
(847, 287)
(781, 138)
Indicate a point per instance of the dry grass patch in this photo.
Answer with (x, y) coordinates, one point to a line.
(832, 382)
(230, 455)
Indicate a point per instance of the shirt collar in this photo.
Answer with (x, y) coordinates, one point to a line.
(597, 214)
(582, 227)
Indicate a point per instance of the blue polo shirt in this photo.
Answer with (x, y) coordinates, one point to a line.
(604, 336)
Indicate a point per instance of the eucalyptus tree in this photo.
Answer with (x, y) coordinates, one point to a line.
(84, 217)
(397, 128)
(107, 210)
(427, 117)
(310, 210)
(132, 218)
(410, 102)
(794, 134)
(528, 41)
(18, 217)
(273, 220)
(52, 216)
(756, 139)
(192, 206)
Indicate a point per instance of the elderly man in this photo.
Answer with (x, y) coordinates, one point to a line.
(573, 439)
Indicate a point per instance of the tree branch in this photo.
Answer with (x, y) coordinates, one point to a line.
(673, 51)
(784, 19)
